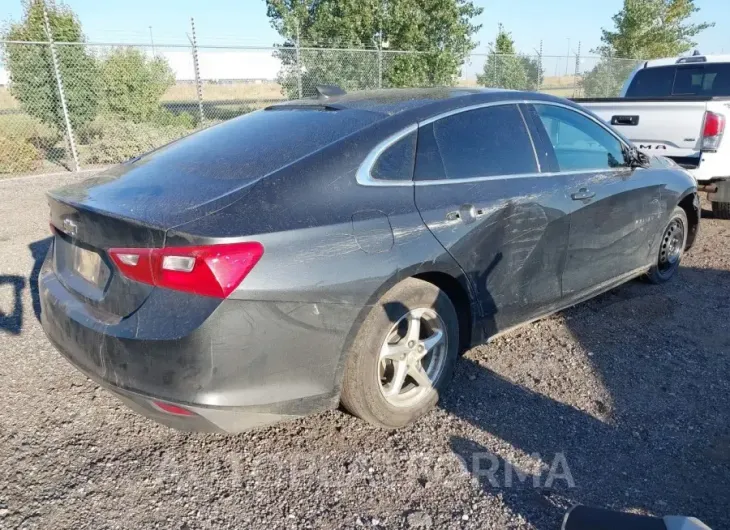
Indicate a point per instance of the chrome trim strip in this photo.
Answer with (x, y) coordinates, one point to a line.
(364, 177)
(518, 176)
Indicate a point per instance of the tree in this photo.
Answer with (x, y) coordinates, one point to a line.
(133, 84)
(643, 29)
(505, 68)
(32, 79)
(439, 30)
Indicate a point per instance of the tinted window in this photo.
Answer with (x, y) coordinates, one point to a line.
(253, 145)
(707, 79)
(396, 162)
(579, 142)
(479, 143)
(652, 83)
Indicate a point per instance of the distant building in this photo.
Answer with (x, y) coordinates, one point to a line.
(225, 66)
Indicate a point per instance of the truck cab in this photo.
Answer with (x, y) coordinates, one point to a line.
(678, 108)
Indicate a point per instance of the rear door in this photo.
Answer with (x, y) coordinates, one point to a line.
(615, 210)
(479, 189)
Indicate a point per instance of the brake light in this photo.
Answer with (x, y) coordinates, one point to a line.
(713, 131)
(175, 410)
(211, 270)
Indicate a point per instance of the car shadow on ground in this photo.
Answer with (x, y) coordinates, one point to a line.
(11, 303)
(662, 445)
(38, 251)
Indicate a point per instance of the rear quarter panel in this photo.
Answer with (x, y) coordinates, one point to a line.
(333, 247)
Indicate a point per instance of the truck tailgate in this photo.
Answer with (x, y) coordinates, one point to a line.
(668, 128)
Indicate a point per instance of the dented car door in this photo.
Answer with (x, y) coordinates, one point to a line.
(615, 208)
(479, 189)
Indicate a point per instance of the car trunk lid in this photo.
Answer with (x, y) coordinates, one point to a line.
(133, 205)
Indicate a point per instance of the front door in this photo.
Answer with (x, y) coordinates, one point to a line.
(480, 191)
(615, 209)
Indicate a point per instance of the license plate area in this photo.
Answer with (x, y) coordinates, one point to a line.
(81, 268)
(88, 265)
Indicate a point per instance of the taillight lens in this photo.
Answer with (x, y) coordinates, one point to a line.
(713, 131)
(211, 270)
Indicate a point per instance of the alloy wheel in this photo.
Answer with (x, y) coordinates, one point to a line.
(412, 357)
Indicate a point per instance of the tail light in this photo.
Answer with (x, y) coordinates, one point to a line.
(211, 270)
(713, 131)
(175, 410)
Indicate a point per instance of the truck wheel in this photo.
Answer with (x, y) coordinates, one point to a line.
(721, 210)
(403, 355)
(671, 248)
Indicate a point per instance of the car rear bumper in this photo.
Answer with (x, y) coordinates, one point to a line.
(235, 364)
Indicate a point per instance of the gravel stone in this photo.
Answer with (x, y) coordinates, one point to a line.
(621, 402)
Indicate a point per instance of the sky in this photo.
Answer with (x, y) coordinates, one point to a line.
(561, 25)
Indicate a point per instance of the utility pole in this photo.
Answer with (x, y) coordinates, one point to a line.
(152, 42)
(567, 58)
(538, 82)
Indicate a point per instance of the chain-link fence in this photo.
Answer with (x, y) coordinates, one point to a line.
(96, 105)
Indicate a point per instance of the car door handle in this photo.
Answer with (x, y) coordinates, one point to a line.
(466, 212)
(583, 194)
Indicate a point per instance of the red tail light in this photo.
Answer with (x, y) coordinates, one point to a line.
(172, 409)
(713, 131)
(212, 270)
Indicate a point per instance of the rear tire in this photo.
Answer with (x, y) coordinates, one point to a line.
(391, 377)
(671, 248)
(721, 210)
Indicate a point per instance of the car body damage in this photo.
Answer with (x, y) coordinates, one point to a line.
(521, 239)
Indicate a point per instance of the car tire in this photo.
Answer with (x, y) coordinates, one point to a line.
(721, 210)
(384, 350)
(671, 248)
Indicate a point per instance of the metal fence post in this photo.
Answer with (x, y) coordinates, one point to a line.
(380, 65)
(299, 66)
(196, 68)
(61, 93)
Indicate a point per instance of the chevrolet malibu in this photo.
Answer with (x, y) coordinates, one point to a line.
(345, 249)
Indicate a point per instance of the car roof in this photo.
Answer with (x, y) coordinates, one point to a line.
(391, 101)
(690, 59)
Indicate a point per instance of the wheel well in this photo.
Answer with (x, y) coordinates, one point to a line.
(693, 216)
(458, 296)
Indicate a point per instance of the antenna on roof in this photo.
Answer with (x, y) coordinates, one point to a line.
(696, 53)
(327, 91)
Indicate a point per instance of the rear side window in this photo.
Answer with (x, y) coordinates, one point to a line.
(396, 162)
(705, 79)
(490, 141)
(254, 145)
(579, 142)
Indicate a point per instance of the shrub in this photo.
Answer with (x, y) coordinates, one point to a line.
(17, 155)
(167, 118)
(32, 81)
(112, 141)
(133, 84)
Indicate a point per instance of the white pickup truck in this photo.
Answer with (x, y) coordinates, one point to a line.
(679, 108)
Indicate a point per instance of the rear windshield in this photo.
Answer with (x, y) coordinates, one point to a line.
(706, 79)
(255, 144)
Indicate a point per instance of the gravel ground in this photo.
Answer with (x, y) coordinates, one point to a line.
(622, 402)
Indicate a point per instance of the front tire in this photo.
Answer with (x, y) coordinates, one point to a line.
(671, 248)
(403, 355)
